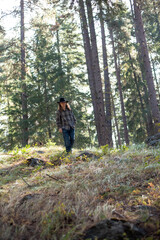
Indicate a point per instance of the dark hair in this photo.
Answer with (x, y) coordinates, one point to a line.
(67, 107)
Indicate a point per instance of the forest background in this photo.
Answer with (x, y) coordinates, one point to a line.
(102, 56)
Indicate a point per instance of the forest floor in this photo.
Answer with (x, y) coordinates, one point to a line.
(69, 195)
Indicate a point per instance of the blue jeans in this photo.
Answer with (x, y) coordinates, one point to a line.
(69, 137)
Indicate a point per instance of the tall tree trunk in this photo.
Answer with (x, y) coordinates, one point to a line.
(148, 110)
(106, 80)
(23, 75)
(97, 77)
(116, 122)
(10, 137)
(131, 5)
(60, 64)
(58, 49)
(115, 135)
(44, 109)
(41, 106)
(147, 66)
(87, 48)
(144, 115)
(117, 68)
(94, 77)
(150, 125)
(157, 20)
(47, 112)
(155, 77)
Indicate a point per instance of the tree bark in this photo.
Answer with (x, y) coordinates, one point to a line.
(117, 68)
(94, 79)
(23, 75)
(10, 137)
(150, 125)
(47, 115)
(58, 49)
(157, 20)
(155, 77)
(116, 122)
(87, 48)
(148, 109)
(140, 33)
(97, 76)
(144, 115)
(106, 80)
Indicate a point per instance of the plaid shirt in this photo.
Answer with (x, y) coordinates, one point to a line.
(65, 119)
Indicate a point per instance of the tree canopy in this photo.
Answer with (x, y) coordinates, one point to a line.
(102, 56)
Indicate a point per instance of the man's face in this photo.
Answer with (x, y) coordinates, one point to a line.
(63, 105)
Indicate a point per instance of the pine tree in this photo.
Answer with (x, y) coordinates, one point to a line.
(106, 79)
(23, 74)
(91, 54)
(140, 33)
(57, 70)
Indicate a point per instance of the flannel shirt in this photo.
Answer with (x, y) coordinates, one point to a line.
(65, 119)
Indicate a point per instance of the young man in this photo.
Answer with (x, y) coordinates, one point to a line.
(66, 123)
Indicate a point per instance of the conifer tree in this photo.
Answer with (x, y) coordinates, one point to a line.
(140, 33)
(23, 74)
(91, 53)
(106, 78)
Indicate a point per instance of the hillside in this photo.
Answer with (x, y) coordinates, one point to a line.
(79, 197)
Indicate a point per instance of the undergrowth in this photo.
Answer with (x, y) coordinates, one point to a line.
(70, 193)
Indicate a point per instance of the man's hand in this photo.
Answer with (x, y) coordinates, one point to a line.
(60, 130)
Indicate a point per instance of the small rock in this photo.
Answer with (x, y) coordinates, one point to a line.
(41, 152)
(35, 161)
(26, 198)
(117, 159)
(84, 155)
(113, 230)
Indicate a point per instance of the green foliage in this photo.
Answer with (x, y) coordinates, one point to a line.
(50, 143)
(105, 150)
(56, 67)
(15, 151)
(56, 159)
(57, 221)
(55, 62)
(124, 148)
(61, 203)
(25, 149)
(61, 158)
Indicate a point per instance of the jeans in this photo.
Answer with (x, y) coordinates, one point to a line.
(69, 137)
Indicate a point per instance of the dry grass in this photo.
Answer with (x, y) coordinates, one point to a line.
(62, 201)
